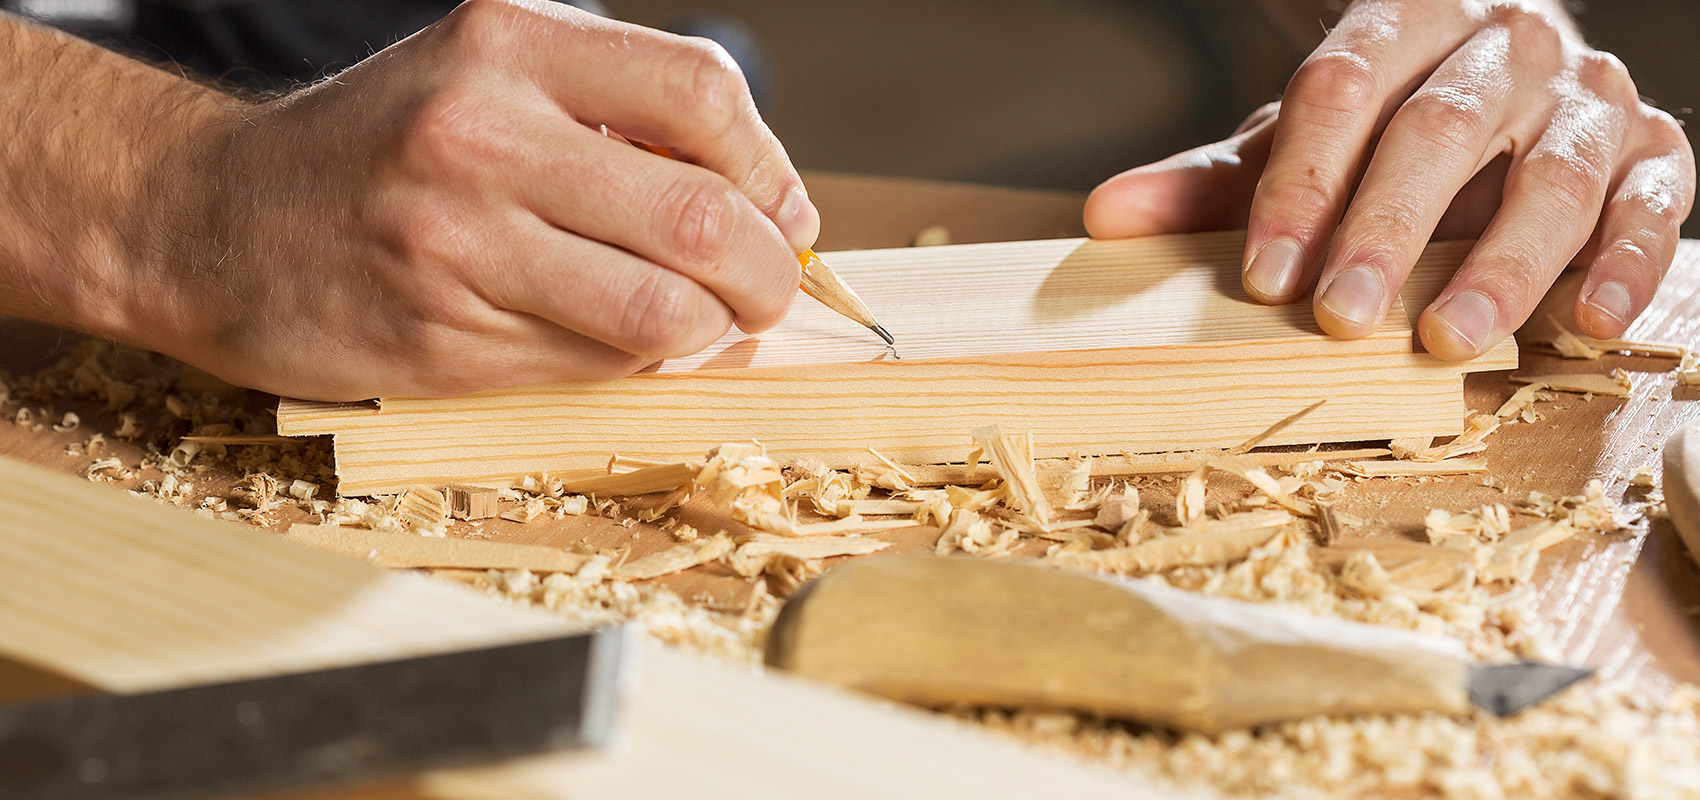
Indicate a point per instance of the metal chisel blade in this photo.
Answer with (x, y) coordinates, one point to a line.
(1505, 689)
(312, 728)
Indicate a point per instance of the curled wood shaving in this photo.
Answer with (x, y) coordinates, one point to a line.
(1012, 457)
(1189, 499)
(1688, 372)
(1467, 530)
(1118, 512)
(1473, 440)
(751, 557)
(974, 534)
(1212, 543)
(677, 558)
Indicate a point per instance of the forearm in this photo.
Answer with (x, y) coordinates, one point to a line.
(97, 187)
(1308, 21)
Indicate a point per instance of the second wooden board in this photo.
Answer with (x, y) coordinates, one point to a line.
(1098, 347)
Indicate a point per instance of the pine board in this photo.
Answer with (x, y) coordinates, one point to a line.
(1099, 347)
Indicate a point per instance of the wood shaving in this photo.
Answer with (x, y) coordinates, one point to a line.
(1412, 469)
(1209, 544)
(752, 556)
(1282, 425)
(975, 535)
(1012, 457)
(677, 558)
(1688, 372)
(1569, 345)
(1617, 384)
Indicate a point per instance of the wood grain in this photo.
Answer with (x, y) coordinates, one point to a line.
(1140, 345)
(987, 633)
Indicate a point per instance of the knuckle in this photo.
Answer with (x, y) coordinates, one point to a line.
(475, 27)
(1303, 198)
(1566, 177)
(1339, 81)
(1393, 221)
(1528, 27)
(1450, 119)
(1512, 282)
(1607, 76)
(710, 88)
(660, 316)
(704, 220)
(447, 129)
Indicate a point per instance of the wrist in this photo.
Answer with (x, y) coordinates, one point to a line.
(166, 234)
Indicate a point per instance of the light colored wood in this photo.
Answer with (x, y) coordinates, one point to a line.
(1098, 347)
(961, 630)
(412, 551)
(129, 595)
(471, 502)
(1682, 484)
(125, 594)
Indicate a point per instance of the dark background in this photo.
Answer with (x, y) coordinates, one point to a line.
(1043, 93)
(1066, 93)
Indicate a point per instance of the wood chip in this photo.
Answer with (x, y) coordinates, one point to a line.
(471, 502)
(1569, 345)
(677, 558)
(425, 511)
(1520, 400)
(1516, 556)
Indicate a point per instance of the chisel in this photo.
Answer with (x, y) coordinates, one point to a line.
(312, 728)
(945, 631)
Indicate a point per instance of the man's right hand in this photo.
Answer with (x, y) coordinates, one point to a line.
(450, 215)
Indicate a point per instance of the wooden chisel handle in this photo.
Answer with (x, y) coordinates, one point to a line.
(944, 631)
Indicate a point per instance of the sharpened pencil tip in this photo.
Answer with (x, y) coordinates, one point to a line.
(884, 334)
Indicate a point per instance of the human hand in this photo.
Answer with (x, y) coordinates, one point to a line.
(449, 215)
(1445, 119)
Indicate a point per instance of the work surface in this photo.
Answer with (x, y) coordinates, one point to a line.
(1619, 602)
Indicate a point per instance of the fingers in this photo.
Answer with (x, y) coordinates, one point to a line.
(1435, 143)
(680, 216)
(1329, 115)
(605, 294)
(1206, 188)
(1552, 202)
(684, 94)
(1640, 227)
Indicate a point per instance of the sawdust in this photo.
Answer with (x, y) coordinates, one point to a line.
(1471, 583)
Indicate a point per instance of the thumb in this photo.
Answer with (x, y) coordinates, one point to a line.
(1202, 189)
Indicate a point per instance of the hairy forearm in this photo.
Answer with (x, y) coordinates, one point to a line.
(1308, 21)
(97, 180)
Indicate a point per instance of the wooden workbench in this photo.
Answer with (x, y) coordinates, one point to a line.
(1622, 602)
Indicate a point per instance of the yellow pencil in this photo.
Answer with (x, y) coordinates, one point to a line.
(819, 281)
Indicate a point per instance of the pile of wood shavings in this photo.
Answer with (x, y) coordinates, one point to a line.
(1276, 544)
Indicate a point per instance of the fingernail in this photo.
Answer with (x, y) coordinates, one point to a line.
(1612, 299)
(1275, 269)
(1355, 296)
(798, 219)
(1470, 315)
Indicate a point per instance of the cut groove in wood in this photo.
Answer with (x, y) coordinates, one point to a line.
(1098, 347)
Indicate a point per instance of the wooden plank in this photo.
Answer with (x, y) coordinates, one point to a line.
(125, 594)
(1140, 345)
